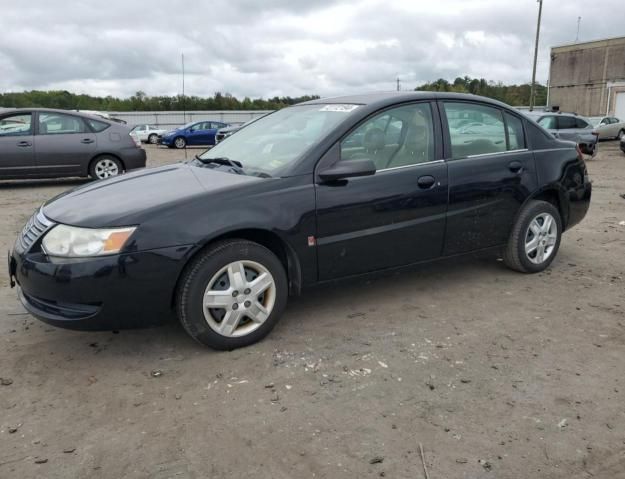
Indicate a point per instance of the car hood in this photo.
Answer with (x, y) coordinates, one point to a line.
(135, 197)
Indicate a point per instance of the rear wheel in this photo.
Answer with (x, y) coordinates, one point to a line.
(105, 167)
(180, 142)
(232, 295)
(535, 238)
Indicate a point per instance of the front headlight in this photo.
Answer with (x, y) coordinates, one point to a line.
(73, 242)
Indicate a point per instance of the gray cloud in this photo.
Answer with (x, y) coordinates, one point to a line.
(281, 47)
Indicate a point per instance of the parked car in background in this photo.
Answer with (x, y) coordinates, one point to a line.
(568, 126)
(44, 143)
(292, 201)
(197, 133)
(223, 133)
(608, 127)
(148, 133)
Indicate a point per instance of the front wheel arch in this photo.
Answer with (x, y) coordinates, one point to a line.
(269, 240)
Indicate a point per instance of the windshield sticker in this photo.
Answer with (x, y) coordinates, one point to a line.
(343, 108)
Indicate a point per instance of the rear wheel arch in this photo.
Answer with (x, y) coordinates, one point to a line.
(551, 194)
(269, 240)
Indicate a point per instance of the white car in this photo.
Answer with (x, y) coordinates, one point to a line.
(608, 127)
(147, 133)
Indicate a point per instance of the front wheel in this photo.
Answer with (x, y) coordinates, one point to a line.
(153, 139)
(232, 295)
(620, 135)
(535, 238)
(180, 142)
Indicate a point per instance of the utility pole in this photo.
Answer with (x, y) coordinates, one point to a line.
(579, 20)
(533, 88)
(398, 86)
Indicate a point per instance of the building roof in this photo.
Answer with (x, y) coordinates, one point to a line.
(591, 44)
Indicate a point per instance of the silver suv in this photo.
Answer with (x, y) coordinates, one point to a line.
(568, 126)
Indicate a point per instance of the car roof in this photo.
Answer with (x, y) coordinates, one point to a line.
(91, 116)
(389, 98)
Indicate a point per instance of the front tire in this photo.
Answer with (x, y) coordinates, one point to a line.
(153, 139)
(620, 135)
(535, 238)
(232, 295)
(180, 142)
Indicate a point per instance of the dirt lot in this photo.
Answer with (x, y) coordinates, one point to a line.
(497, 374)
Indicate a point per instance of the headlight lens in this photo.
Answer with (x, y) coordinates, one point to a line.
(72, 242)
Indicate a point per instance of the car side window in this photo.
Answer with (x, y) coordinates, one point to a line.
(16, 125)
(97, 126)
(516, 136)
(475, 129)
(397, 137)
(579, 123)
(605, 121)
(548, 122)
(566, 122)
(60, 124)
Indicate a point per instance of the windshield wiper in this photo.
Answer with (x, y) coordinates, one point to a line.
(235, 165)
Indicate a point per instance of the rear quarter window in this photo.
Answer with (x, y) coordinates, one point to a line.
(97, 126)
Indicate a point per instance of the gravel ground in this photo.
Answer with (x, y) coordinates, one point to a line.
(496, 374)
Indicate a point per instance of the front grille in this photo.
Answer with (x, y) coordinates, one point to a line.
(36, 226)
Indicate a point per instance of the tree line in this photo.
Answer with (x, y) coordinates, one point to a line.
(515, 95)
(140, 101)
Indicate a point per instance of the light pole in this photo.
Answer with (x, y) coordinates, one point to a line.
(533, 88)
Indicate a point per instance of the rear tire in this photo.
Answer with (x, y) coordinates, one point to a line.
(105, 166)
(247, 287)
(535, 238)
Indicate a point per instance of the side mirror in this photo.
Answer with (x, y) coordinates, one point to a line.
(348, 169)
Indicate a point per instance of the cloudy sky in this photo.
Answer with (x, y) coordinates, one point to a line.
(262, 48)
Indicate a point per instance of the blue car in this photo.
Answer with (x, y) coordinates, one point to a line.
(192, 134)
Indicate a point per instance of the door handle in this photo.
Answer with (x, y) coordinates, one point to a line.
(426, 182)
(24, 143)
(87, 141)
(515, 166)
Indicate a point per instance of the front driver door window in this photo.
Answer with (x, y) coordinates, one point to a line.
(394, 217)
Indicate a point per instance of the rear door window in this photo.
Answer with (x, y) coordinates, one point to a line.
(580, 123)
(60, 124)
(566, 122)
(97, 126)
(548, 122)
(475, 129)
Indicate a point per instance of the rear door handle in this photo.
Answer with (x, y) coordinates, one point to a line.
(515, 166)
(426, 182)
(24, 143)
(87, 141)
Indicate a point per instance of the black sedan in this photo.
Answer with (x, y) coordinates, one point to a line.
(317, 192)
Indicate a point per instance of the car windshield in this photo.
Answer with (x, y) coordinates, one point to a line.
(275, 141)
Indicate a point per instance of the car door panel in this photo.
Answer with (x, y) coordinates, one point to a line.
(485, 194)
(60, 154)
(381, 221)
(395, 217)
(486, 188)
(17, 146)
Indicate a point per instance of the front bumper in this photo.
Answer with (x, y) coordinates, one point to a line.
(110, 292)
(167, 141)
